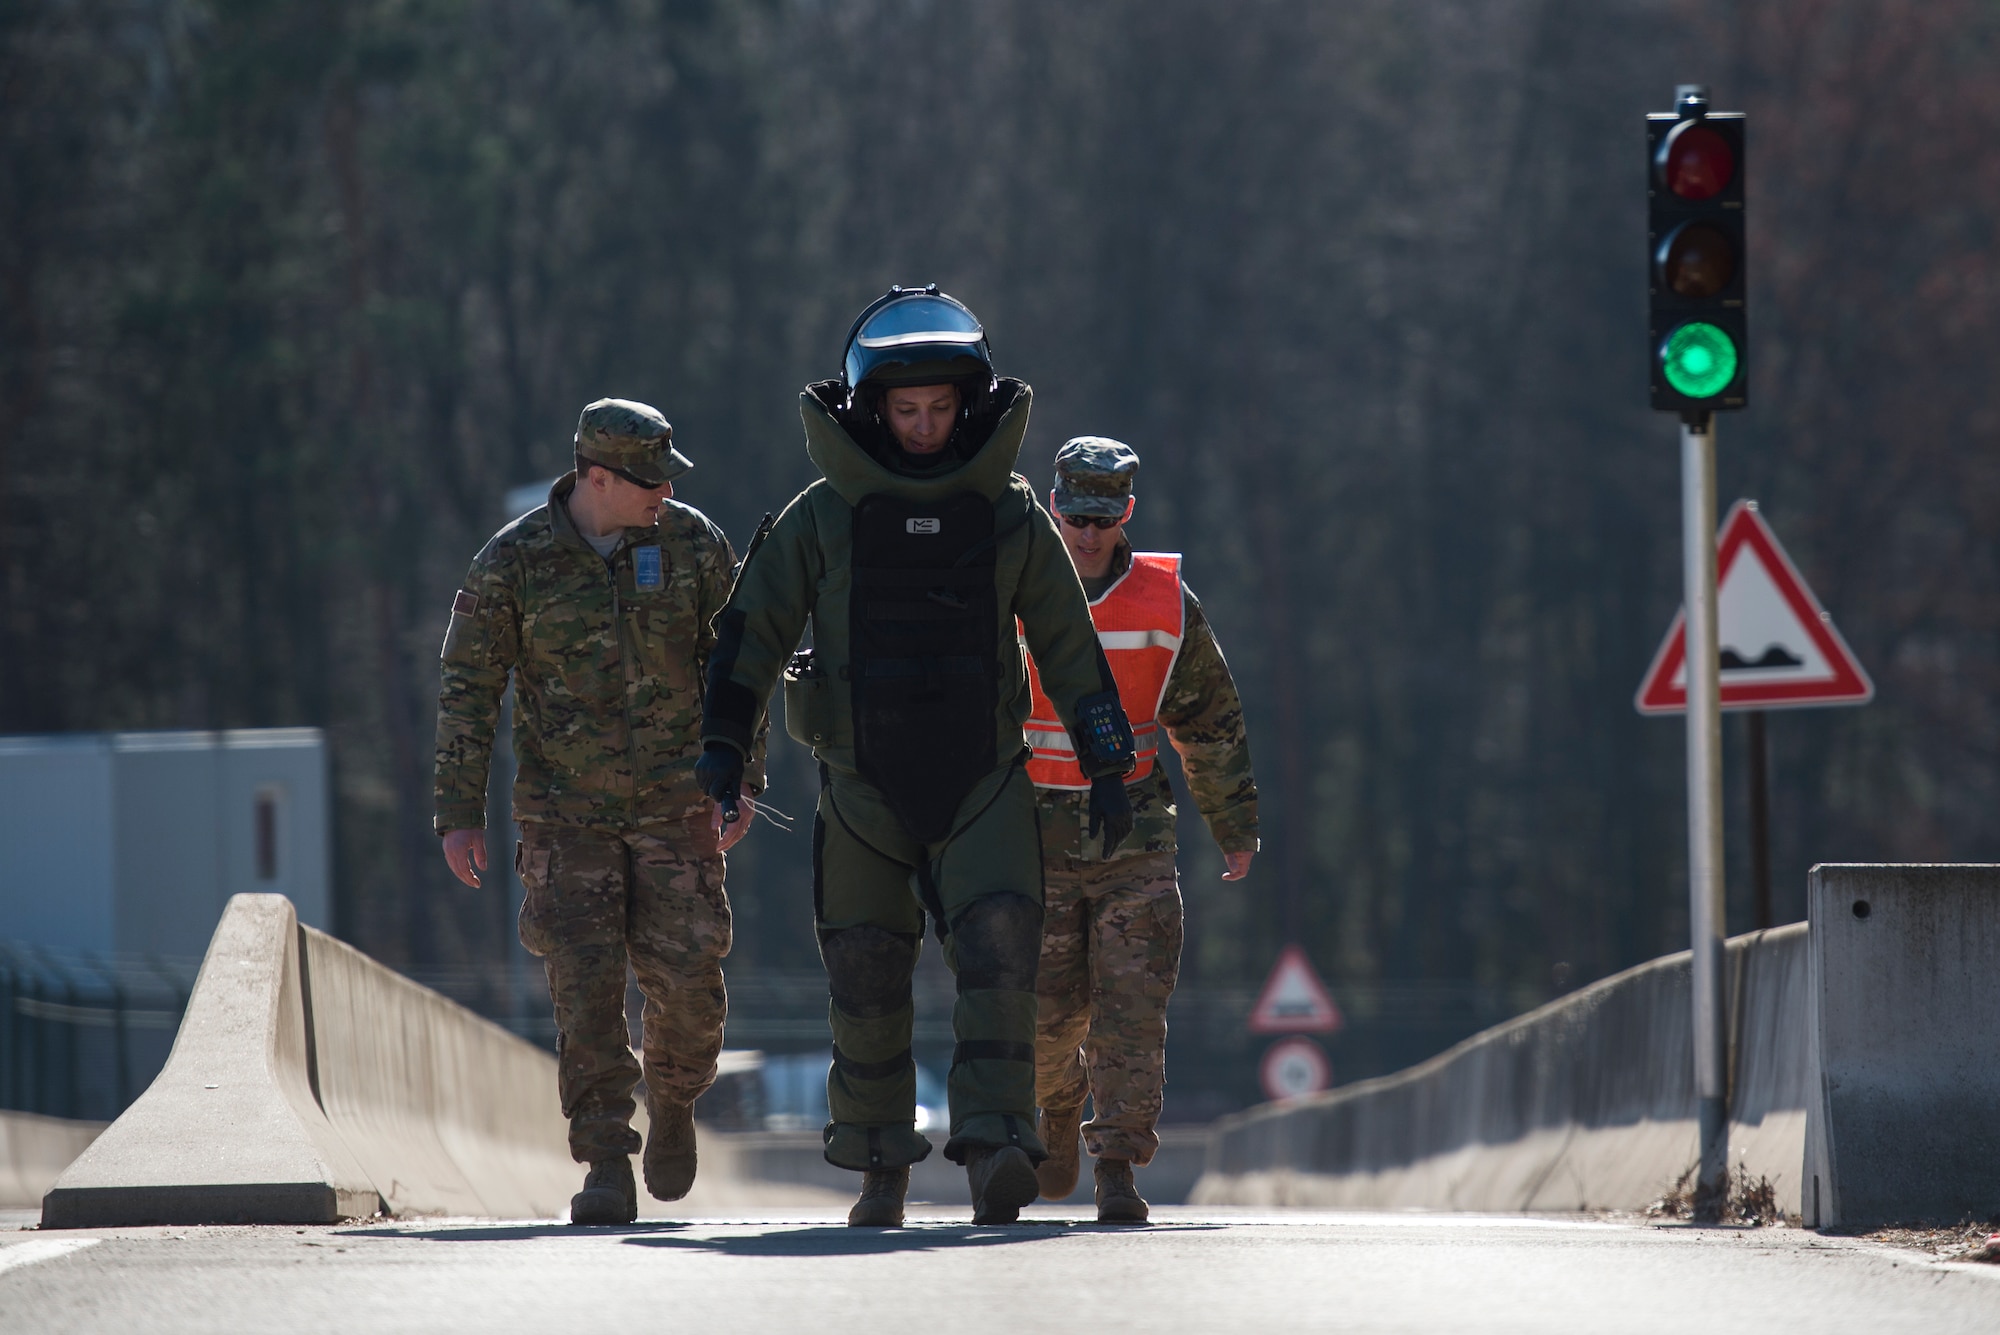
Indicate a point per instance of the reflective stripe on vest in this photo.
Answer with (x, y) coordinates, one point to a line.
(1139, 622)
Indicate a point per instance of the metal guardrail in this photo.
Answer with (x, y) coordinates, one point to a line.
(81, 1035)
(1212, 1059)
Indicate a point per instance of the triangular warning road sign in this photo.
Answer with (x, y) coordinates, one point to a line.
(1295, 1001)
(1779, 649)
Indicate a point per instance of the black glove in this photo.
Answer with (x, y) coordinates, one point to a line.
(1111, 808)
(720, 774)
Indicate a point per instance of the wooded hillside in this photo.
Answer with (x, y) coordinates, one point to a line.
(291, 294)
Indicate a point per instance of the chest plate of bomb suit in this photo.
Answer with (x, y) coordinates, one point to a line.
(923, 622)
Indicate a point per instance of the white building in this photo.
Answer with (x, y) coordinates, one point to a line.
(131, 842)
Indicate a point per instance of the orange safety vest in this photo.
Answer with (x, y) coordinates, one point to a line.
(1140, 620)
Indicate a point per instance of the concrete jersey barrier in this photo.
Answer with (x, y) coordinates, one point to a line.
(34, 1150)
(229, 1131)
(447, 1112)
(309, 1083)
(1585, 1103)
(1906, 1081)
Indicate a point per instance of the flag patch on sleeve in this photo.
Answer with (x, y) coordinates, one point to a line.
(466, 603)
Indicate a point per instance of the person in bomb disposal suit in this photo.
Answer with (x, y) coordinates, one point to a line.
(1111, 940)
(599, 605)
(913, 558)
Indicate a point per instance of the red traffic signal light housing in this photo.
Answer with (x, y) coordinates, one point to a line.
(1698, 343)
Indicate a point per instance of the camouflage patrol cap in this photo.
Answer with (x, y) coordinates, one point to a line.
(632, 438)
(1094, 476)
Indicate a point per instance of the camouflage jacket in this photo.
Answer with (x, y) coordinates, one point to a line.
(1203, 718)
(607, 660)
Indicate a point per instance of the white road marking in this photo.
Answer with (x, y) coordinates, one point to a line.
(19, 1254)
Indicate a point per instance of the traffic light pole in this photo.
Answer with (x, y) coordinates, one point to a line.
(1704, 789)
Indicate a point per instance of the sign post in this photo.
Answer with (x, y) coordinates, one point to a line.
(1751, 637)
(1704, 790)
(1759, 778)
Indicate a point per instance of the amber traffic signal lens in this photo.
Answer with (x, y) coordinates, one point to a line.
(1695, 162)
(1697, 260)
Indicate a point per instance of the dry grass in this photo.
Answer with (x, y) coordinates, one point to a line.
(1965, 1241)
(1752, 1202)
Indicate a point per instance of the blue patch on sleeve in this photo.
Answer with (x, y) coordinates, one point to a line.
(646, 567)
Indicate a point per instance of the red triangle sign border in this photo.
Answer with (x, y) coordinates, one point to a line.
(1293, 967)
(1850, 685)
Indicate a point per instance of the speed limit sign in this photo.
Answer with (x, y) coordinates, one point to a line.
(1294, 1068)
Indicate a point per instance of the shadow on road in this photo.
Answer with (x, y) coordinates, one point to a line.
(516, 1232)
(839, 1240)
(789, 1240)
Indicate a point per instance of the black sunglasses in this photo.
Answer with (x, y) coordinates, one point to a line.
(1093, 521)
(638, 482)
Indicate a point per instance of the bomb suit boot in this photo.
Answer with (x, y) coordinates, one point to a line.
(881, 1202)
(1002, 1181)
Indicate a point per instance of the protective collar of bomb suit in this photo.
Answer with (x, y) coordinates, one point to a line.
(854, 474)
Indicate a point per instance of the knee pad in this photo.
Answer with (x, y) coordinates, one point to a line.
(999, 943)
(868, 969)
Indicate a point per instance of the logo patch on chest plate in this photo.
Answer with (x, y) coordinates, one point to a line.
(923, 525)
(646, 567)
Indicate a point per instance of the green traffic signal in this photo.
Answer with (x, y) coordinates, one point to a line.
(1697, 325)
(1699, 360)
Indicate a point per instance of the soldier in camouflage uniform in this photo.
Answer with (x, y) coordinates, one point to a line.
(1111, 943)
(599, 605)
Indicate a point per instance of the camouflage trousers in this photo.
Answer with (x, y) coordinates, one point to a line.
(1111, 953)
(597, 901)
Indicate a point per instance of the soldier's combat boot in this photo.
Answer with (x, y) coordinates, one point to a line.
(669, 1160)
(881, 1203)
(1057, 1173)
(1002, 1181)
(609, 1195)
(1118, 1199)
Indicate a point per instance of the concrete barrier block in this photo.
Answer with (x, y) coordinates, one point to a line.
(1587, 1102)
(1905, 1056)
(229, 1131)
(309, 1083)
(380, 1046)
(34, 1150)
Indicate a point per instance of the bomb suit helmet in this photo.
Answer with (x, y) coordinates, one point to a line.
(916, 336)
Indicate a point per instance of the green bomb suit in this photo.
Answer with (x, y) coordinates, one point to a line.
(923, 800)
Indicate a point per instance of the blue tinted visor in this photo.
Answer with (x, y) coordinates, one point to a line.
(918, 321)
(920, 334)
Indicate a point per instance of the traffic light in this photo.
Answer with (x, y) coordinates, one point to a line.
(1698, 340)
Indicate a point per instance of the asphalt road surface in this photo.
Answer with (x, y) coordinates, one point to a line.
(801, 1270)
